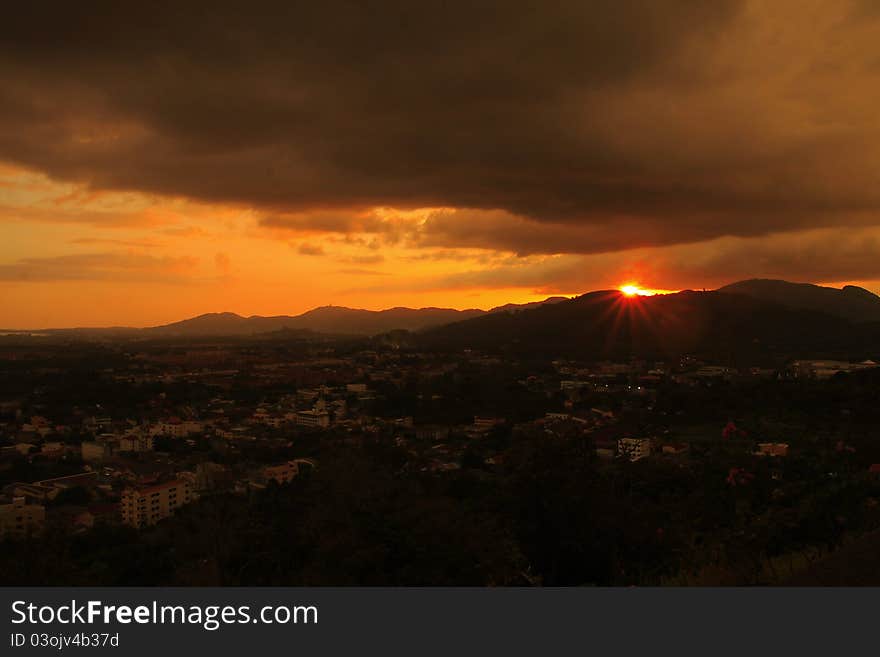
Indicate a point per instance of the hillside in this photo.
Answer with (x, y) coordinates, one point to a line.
(607, 324)
(334, 320)
(327, 319)
(852, 303)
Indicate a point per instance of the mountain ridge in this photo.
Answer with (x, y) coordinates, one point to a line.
(851, 302)
(607, 324)
(340, 320)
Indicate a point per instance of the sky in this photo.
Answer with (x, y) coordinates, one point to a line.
(159, 161)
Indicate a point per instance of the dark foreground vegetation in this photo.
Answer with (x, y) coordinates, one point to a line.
(409, 489)
(552, 514)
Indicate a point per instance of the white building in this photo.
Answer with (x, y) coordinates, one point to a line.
(634, 448)
(19, 519)
(148, 505)
(313, 419)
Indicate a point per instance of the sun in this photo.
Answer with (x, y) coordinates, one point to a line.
(632, 290)
(636, 290)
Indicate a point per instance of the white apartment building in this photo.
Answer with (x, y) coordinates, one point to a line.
(147, 505)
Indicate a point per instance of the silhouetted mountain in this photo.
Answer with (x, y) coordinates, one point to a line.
(853, 303)
(332, 320)
(218, 324)
(607, 324)
(327, 319)
(337, 320)
(516, 307)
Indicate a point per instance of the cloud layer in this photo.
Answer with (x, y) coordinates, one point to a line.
(440, 145)
(125, 267)
(655, 123)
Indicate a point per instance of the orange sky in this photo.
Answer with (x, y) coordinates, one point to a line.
(268, 163)
(72, 257)
(78, 258)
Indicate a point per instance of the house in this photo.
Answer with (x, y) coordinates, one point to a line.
(177, 429)
(84, 479)
(136, 443)
(634, 449)
(606, 448)
(712, 372)
(772, 449)
(825, 369)
(432, 433)
(320, 419)
(20, 519)
(484, 423)
(35, 492)
(96, 450)
(282, 473)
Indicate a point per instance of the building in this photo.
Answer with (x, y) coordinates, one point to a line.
(485, 423)
(53, 450)
(713, 372)
(35, 492)
(825, 369)
(147, 505)
(46, 490)
(283, 473)
(96, 450)
(605, 446)
(772, 449)
(675, 448)
(177, 429)
(634, 448)
(20, 519)
(84, 479)
(313, 419)
(136, 443)
(432, 432)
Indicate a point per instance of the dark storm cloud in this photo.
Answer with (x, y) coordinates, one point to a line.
(667, 122)
(819, 255)
(824, 255)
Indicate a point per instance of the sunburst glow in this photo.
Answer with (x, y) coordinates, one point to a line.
(635, 290)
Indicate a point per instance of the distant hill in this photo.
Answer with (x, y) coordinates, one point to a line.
(327, 319)
(517, 307)
(853, 303)
(335, 320)
(607, 324)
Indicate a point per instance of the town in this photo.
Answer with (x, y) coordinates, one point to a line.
(620, 472)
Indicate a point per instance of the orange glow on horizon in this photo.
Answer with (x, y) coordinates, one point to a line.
(635, 290)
